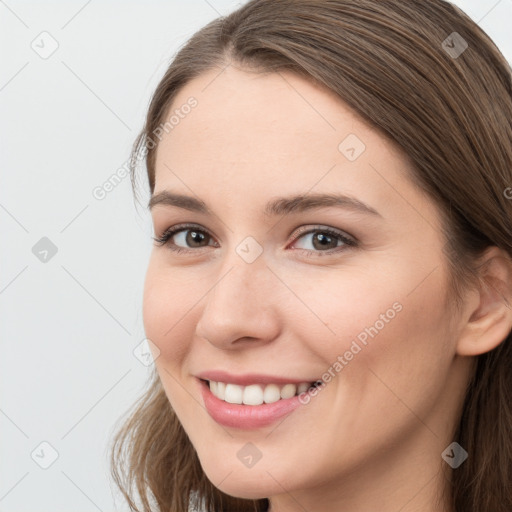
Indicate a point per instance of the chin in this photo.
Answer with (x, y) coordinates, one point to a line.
(249, 487)
(236, 480)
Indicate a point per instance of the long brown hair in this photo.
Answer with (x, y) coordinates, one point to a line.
(400, 66)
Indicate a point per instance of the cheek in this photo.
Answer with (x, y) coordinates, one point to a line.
(376, 326)
(400, 346)
(342, 308)
(167, 311)
(389, 356)
(166, 302)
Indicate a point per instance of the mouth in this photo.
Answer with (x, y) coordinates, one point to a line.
(257, 394)
(252, 400)
(244, 407)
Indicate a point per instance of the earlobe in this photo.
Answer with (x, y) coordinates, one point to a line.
(490, 322)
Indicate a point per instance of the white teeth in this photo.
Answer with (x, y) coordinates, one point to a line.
(271, 393)
(288, 390)
(256, 394)
(302, 388)
(221, 390)
(234, 394)
(253, 395)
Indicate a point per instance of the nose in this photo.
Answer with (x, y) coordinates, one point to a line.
(240, 308)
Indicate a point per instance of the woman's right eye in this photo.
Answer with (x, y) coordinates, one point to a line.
(186, 238)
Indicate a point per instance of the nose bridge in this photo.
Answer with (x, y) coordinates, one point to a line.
(243, 275)
(240, 303)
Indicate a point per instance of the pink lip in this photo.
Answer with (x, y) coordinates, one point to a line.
(248, 378)
(246, 416)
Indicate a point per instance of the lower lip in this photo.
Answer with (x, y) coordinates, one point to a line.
(246, 416)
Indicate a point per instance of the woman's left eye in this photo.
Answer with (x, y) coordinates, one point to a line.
(321, 239)
(324, 239)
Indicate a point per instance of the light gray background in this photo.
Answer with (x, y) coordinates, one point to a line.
(69, 325)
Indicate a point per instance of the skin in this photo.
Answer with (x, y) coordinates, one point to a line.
(372, 438)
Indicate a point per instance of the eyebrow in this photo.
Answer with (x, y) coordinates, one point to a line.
(275, 207)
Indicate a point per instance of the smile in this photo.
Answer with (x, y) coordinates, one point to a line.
(251, 406)
(256, 394)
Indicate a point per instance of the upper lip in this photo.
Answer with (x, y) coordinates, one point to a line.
(248, 378)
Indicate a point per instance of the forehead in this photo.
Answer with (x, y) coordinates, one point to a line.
(277, 117)
(277, 134)
(279, 109)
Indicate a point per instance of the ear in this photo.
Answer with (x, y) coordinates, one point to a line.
(490, 314)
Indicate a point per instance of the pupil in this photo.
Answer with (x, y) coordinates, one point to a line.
(195, 237)
(323, 239)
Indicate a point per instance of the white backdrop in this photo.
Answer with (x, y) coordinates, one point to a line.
(75, 80)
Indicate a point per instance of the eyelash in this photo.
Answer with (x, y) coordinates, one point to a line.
(169, 233)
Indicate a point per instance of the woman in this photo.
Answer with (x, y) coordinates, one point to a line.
(328, 296)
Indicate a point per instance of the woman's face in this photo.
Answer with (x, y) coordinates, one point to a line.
(276, 281)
